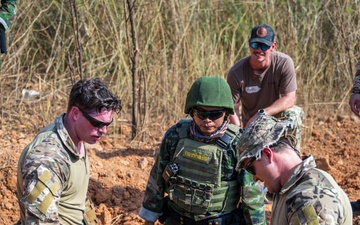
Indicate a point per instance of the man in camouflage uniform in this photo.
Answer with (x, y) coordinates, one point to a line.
(7, 14)
(194, 181)
(301, 193)
(53, 170)
(355, 108)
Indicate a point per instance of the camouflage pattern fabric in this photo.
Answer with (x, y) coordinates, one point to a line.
(252, 198)
(7, 12)
(311, 196)
(294, 116)
(266, 130)
(253, 202)
(52, 179)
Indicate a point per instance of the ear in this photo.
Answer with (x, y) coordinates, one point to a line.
(74, 113)
(273, 46)
(268, 153)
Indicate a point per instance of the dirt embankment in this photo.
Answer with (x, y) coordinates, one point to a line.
(120, 168)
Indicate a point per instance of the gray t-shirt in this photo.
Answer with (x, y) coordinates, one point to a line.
(259, 89)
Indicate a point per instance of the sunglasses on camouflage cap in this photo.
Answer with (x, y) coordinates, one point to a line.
(212, 115)
(94, 122)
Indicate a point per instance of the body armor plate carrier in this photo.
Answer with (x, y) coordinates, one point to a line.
(197, 189)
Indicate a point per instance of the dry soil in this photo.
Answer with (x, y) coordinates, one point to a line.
(120, 167)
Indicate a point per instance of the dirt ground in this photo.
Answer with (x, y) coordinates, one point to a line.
(120, 168)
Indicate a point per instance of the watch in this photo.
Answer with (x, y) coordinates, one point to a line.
(261, 112)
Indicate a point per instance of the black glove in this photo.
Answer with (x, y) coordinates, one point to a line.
(2, 40)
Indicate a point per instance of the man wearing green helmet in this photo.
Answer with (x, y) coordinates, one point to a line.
(194, 180)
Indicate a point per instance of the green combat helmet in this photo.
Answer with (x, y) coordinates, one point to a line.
(264, 132)
(209, 91)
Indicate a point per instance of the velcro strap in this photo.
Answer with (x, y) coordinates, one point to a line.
(44, 205)
(35, 193)
(89, 214)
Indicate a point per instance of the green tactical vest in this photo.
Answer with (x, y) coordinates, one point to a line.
(197, 189)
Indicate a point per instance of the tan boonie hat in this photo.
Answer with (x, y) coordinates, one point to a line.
(264, 132)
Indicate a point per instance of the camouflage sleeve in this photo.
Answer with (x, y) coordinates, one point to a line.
(44, 174)
(314, 200)
(7, 12)
(155, 189)
(356, 83)
(307, 208)
(252, 199)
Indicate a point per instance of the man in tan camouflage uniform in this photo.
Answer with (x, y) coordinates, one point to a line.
(301, 193)
(53, 170)
(355, 107)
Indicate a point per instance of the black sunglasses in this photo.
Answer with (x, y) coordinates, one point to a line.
(256, 45)
(212, 115)
(96, 123)
(249, 168)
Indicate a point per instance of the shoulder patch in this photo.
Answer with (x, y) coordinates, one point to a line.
(306, 215)
(41, 190)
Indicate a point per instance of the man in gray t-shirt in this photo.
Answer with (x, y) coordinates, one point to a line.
(265, 81)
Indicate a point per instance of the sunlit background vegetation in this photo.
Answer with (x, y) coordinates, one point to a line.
(174, 42)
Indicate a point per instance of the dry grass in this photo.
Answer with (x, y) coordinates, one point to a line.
(178, 41)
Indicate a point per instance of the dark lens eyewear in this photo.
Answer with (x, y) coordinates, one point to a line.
(212, 115)
(256, 45)
(96, 123)
(249, 168)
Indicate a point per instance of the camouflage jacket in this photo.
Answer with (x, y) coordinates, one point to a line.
(356, 84)
(7, 12)
(250, 192)
(311, 196)
(52, 178)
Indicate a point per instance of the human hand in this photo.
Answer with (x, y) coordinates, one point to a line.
(355, 104)
(149, 223)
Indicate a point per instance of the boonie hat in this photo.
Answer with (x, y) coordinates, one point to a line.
(209, 91)
(264, 132)
(262, 33)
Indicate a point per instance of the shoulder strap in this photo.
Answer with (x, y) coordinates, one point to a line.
(230, 133)
(182, 127)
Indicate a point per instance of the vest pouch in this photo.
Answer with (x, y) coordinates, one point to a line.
(191, 199)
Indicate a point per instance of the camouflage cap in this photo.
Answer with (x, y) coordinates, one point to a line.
(264, 132)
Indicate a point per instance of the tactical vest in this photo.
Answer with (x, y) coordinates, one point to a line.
(197, 188)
